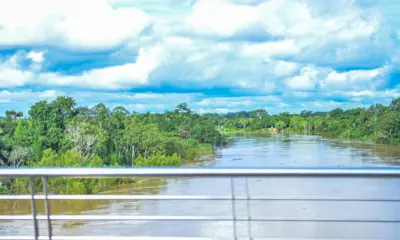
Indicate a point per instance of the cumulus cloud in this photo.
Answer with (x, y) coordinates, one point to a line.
(115, 77)
(305, 81)
(27, 96)
(297, 51)
(11, 75)
(208, 19)
(281, 18)
(387, 94)
(36, 57)
(271, 49)
(90, 24)
(364, 79)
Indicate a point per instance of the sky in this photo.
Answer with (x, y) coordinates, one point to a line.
(215, 55)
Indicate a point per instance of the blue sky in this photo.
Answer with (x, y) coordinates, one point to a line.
(216, 55)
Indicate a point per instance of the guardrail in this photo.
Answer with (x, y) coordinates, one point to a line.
(45, 173)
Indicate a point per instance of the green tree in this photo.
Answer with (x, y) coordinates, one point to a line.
(280, 125)
(395, 105)
(23, 134)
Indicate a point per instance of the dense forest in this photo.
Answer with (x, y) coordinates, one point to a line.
(60, 133)
(377, 123)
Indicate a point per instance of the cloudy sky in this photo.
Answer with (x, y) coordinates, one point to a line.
(216, 55)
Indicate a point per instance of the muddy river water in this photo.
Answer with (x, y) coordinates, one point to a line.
(247, 151)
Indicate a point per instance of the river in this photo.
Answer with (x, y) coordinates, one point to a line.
(248, 151)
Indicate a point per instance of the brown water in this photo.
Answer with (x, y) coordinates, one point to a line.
(247, 151)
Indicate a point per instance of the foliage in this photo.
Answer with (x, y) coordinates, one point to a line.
(61, 134)
(377, 122)
(158, 159)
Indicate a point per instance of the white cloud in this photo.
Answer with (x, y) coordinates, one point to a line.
(115, 77)
(179, 41)
(136, 98)
(325, 105)
(215, 110)
(36, 57)
(305, 81)
(142, 107)
(354, 79)
(220, 18)
(237, 102)
(246, 46)
(27, 96)
(73, 24)
(301, 29)
(283, 68)
(268, 50)
(284, 18)
(367, 94)
(11, 75)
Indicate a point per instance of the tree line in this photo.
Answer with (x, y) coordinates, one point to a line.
(376, 123)
(62, 134)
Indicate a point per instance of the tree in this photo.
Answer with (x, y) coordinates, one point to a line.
(295, 122)
(390, 125)
(101, 112)
(205, 132)
(183, 108)
(280, 125)
(82, 138)
(23, 134)
(259, 113)
(306, 114)
(285, 118)
(185, 131)
(395, 105)
(335, 113)
(13, 115)
(18, 156)
(83, 111)
(62, 111)
(120, 112)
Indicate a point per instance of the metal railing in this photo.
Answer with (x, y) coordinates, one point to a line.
(46, 173)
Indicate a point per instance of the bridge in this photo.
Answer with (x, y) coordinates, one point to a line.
(230, 173)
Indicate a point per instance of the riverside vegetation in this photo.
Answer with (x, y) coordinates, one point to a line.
(377, 123)
(59, 133)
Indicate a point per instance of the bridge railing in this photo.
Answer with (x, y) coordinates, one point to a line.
(231, 173)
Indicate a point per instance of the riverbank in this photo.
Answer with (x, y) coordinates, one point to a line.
(92, 186)
(327, 135)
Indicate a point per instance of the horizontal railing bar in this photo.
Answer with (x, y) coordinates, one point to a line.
(192, 197)
(115, 218)
(98, 238)
(155, 238)
(185, 218)
(201, 172)
(116, 197)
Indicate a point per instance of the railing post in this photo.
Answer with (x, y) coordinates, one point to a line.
(47, 208)
(249, 230)
(34, 210)
(233, 208)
